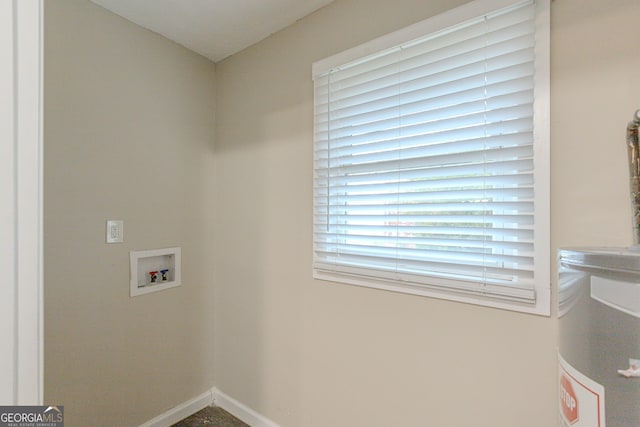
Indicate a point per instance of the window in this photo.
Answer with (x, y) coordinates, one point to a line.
(431, 159)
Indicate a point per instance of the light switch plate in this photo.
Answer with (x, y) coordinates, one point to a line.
(115, 231)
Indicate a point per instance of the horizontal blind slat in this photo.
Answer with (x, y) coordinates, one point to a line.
(521, 234)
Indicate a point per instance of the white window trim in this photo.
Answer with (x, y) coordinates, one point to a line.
(541, 108)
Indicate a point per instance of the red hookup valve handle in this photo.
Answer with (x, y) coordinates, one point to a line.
(154, 276)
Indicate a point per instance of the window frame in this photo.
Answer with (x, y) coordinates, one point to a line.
(541, 147)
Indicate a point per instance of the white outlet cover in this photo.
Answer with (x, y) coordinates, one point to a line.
(115, 231)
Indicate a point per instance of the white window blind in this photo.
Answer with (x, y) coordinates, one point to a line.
(426, 164)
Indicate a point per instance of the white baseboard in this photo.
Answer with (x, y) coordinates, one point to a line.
(240, 410)
(212, 397)
(181, 411)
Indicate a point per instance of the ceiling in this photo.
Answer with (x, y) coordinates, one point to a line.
(213, 28)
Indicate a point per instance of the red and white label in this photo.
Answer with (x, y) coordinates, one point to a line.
(581, 399)
(568, 400)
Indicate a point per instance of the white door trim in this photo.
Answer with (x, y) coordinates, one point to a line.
(21, 261)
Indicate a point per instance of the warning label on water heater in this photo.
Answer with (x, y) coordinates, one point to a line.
(581, 399)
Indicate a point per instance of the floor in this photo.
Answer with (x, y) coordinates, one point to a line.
(211, 416)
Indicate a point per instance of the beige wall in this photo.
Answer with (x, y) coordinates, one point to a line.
(595, 81)
(302, 352)
(314, 354)
(129, 127)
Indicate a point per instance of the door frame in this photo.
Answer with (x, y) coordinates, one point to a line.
(21, 206)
